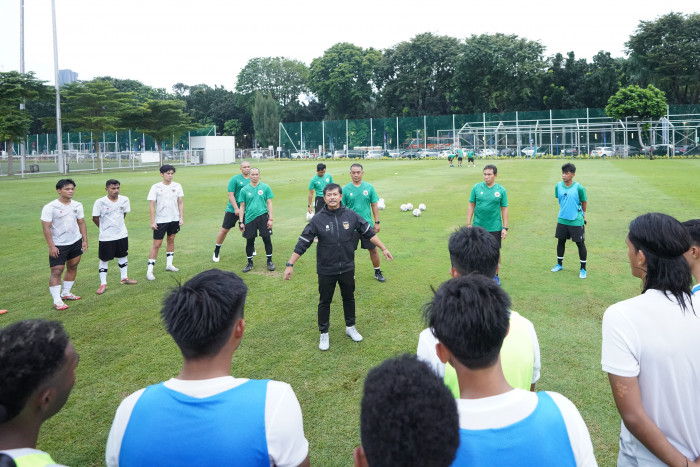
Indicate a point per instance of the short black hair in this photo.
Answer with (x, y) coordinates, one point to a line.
(408, 417)
(63, 182)
(693, 228)
(167, 168)
(357, 165)
(664, 240)
(31, 352)
(568, 167)
(200, 314)
(111, 182)
(492, 167)
(473, 250)
(331, 187)
(469, 315)
(320, 166)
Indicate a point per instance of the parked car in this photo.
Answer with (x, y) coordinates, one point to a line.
(445, 154)
(374, 154)
(487, 152)
(602, 151)
(680, 150)
(624, 150)
(423, 153)
(410, 154)
(300, 155)
(508, 152)
(570, 152)
(257, 155)
(530, 151)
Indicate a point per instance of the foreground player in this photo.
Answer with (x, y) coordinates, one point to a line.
(167, 216)
(571, 221)
(469, 316)
(233, 211)
(108, 214)
(316, 185)
(63, 222)
(37, 370)
(255, 202)
(205, 416)
(361, 198)
(692, 256)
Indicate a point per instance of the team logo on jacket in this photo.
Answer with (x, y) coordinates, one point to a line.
(346, 225)
(328, 228)
(365, 192)
(260, 192)
(497, 194)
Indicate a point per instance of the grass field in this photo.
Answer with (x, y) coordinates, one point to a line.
(123, 345)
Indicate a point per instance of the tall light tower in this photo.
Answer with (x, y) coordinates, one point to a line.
(21, 70)
(59, 135)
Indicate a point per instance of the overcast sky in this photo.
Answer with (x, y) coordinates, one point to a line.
(208, 41)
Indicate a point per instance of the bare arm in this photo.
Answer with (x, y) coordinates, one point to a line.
(375, 213)
(232, 199)
(269, 213)
(381, 246)
(152, 210)
(181, 208)
(504, 215)
(470, 213)
(46, 227)
(241, 217)
(628, 400)
(584, 206)
(83, 231)
(311, 197)
(305, 462)
(289, 269)
(96, 220)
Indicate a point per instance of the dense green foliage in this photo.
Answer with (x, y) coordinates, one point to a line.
(637, 104)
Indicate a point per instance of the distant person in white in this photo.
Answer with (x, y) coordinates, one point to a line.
(651, 349)
(167, 216)
(108, 214)
(63, 222)
(205, 416)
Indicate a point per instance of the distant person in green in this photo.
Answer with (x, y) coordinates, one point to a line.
(451, 157)
(361, 198)
(233, 211)
(316, 186)
(470, 158)
(460, 157)
(255, 204)
(488, 208)
(571, 221)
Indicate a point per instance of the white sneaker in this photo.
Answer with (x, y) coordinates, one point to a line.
(215, 258)
(324, 343)
(352, 332)
(150, 276)
(171, 268)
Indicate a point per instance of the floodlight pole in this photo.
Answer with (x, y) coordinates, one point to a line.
(59, 135)
(22, 151)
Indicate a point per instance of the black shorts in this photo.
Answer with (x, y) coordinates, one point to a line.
(230, 220)
(259, 224)
(113, 249)
(497, 236)
(364, 244)
(319, 203)
(459, 158)
(171, 228)
(470, 159)
(66, 253)
(577, 233)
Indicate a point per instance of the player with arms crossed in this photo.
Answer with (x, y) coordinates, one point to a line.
(108, 214)
(167, 216)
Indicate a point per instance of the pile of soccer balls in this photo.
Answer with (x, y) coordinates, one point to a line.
(409, 207)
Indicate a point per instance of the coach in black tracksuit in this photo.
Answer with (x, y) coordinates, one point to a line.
(335, 257)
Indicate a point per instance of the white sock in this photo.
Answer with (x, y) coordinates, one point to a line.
(169, 258)
(123, 264)
(103, 272)
(55, 293)
(151, 263)
(67, 285)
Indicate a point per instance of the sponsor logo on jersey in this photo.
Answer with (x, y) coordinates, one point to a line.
(365, 192)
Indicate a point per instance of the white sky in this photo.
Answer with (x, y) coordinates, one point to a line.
(162, 42)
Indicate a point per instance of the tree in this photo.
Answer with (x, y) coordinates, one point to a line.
(140, 90)
(283, 78)
(416, 77)
(161, 120)
(16, 88)
(638, 104)
(343, 79)
(96, 106)
(666, 52)
(266, 118)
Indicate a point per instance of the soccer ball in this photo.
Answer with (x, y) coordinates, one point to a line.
(421, 206)
(409, 206)
(381, 204)
(416, 212)
(309, 216)
(404, 208)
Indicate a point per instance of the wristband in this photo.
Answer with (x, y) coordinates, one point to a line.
(377, 222)
(308, 205)
(505, 228)
(290, 265)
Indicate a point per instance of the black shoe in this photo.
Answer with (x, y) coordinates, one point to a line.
(379, 276)
(270, 266)
(248, 267)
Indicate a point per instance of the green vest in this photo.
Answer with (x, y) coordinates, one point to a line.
(517, 357)
(35, 459)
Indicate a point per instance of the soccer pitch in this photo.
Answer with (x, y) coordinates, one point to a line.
(123, 346)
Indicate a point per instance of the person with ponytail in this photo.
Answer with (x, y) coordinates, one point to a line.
(651, 350)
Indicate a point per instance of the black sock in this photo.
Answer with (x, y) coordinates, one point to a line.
(216, 249)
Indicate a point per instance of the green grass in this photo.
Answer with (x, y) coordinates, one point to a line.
(123, 346)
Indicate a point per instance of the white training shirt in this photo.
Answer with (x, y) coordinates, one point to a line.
(111, 214)
(64, 221)
(650, 337)
(284, 427)
(513, 406)
(166, 197)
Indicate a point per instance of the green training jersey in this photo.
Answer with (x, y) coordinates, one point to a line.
(234, 186)
(360, 199)
(319, 183)
(487, 206)
(255, 199)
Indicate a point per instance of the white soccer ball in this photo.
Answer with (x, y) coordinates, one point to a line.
(421, 206)
(309, 216)
(416, 212)
(404, 208)
(409, 206)
(380, 204)
(381, 200)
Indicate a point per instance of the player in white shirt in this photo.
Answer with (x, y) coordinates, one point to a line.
(64, 228)
(167, 216)
(108, 214)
